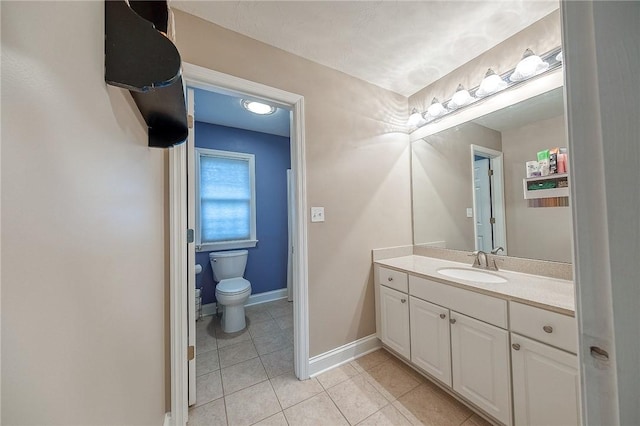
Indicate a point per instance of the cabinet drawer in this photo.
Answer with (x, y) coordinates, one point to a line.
(394, 279)
(485, 308)
(548, 327)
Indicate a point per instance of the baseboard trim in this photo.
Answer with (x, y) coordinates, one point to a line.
(255, 299)
(267, 296)
(167, 419)
(208, 309)
(343, 354)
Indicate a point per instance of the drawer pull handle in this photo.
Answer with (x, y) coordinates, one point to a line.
(403, 300)
(452, 320)
(599, 354)
(390, 279)
(547, 329)
(516, 346)
(443, 316)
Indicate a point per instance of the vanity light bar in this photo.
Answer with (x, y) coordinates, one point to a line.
(553, 58)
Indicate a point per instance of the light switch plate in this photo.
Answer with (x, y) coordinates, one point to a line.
(469, 212)
(317, 214)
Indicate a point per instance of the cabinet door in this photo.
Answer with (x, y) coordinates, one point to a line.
(480, 364)
(430, 339)
(546, 384)
(394, 320)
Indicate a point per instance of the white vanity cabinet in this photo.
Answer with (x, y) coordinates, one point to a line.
(394, 320)
(514, 361)
(546, 384)
(430, 338)
(480, 363)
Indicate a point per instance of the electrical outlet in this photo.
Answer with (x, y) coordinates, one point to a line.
(317, 214)
(469, 212)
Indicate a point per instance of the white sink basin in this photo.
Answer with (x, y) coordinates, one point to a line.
(472, 275)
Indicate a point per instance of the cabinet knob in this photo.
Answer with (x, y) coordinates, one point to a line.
(599, 353)
(390, 279)
(443, 316)
(403, 300)
(547, 329)
(452, 320)
(516, 346)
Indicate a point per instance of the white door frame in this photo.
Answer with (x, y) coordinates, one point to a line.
(200, 77)
(497, 199)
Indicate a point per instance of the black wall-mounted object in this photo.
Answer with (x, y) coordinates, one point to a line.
(141, 59)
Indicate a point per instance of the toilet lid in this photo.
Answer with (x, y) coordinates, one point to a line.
(233, 285)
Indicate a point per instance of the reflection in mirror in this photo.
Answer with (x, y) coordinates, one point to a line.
(467, 183)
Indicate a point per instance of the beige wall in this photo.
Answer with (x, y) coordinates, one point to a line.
(542, 232)
(83, 229)
(442, 184)
(357, 168)
(541, 37)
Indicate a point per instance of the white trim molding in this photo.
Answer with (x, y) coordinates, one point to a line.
(207, 79)
(254, 299)
(178, 283)
(267, 296)
(343, 354)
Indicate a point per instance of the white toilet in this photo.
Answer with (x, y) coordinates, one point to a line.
(232, 291)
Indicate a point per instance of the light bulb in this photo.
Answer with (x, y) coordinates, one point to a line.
(416, 119)
(530, 65)
(491, 83)
(435, 110)
(460, 98)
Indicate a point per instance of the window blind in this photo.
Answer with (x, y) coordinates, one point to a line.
(225, 197)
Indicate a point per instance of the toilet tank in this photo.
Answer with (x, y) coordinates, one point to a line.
(228, 264)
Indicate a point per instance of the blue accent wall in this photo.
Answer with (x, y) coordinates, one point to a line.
(267, 262)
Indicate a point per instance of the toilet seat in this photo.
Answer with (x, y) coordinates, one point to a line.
(232, 286)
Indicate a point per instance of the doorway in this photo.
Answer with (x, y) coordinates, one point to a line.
(182, 265)
(489, 222)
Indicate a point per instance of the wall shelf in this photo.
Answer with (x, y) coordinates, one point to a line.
(140, 58)
(532, 194)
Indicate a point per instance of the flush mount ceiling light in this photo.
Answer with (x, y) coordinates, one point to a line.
(435, 110)
(416, 119)
(491, 83)
(530, 65)
(258, 107)
(460, 98)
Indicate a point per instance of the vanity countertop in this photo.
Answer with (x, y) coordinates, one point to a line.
(548, 293)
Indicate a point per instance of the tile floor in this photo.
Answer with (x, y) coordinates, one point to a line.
(247, 378)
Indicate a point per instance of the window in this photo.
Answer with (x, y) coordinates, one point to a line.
(225, 200)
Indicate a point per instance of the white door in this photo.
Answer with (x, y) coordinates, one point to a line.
(480, 364)
(191, 247)
(394, 315)
(546, 384)
(430, 339)
(482, 208)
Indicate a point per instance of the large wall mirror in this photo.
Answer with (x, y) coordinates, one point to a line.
(467, 183)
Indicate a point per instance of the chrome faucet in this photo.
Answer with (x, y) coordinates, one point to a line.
(477, 263)
(497, 250)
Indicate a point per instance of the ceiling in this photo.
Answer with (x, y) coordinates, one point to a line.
(401, 46)
(216, 108)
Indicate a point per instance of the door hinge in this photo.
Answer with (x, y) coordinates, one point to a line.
(490, 172)
(190, 236)
(492, 220)
(190, 121)
(191, 353)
